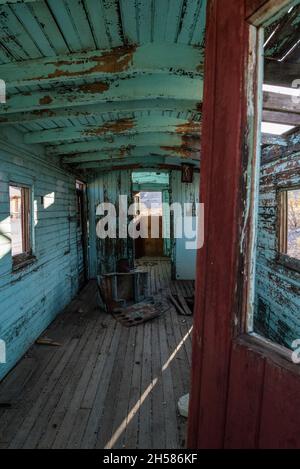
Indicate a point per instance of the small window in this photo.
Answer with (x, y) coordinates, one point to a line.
(19, 199)
(290, 223)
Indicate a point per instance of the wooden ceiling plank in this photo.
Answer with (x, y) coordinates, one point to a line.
(138, 87)
(281, 73)
(131, 151)
(103, 64)
(286, 118)
(125, 126)
(281, 102)
(99, 109)
(141, 162)
(149, 139)
(286, 35)
(8, 2)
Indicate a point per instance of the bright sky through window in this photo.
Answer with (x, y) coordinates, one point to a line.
(275, 129)
(282, 90)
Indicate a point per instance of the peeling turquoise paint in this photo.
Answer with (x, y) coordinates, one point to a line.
(277, 295)
(33, 296)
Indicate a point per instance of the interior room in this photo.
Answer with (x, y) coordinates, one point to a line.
(149, 224)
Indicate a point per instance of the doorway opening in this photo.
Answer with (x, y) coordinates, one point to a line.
(151, 193)
(81, 233)
(150, 214)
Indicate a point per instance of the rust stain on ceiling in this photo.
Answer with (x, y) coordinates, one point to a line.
(190, 127)
(116, 60)
(45, 100)
(182, 151)
(98, 87)
(118, 126)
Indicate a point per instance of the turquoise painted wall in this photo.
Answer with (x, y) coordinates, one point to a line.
(277, 298)
(31, 298)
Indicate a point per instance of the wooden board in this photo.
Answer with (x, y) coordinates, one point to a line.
(105, 386)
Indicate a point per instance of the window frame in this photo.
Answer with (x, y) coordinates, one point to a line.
(283, 257)
(244, 332)
(26, 256)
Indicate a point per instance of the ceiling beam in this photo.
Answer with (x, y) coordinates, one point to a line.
(175, 59)
(129, 152)
(281, 73)
(286, 35)
(287, 118)
(92, 110)
(281, 102)
(122, 126)
(140, 87)
(139, 162)
(8, 2)
(120, 142)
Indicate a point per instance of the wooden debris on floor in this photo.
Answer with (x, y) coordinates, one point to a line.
(139, 312)
(47, 341)
(122, 288)
(183, 305)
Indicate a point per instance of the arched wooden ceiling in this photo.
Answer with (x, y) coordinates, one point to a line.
(105, 83)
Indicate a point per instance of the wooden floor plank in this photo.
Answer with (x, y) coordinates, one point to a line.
(169, 402)
(132, 424)
(106, 385)
(145, 421)
(79, 375)
(110, 403)
(157, 395)
(116, 438)
(91, 431)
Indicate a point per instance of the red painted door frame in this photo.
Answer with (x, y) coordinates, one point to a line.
(242, 394)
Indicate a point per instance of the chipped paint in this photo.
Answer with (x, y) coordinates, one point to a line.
(45, 100)
(182, 151)
(117, 127)
(276, 314)
(116, 60)
(98, 87)
(190, 127)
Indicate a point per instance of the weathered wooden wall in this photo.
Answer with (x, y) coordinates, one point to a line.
(32, 297)
(106, 187)
(277, 313)
(183, 193)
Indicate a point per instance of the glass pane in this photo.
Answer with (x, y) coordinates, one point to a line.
(16, 210)
(293, 213)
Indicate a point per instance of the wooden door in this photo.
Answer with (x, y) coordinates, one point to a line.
(244, 394)
(150, 246)
(154, 247)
